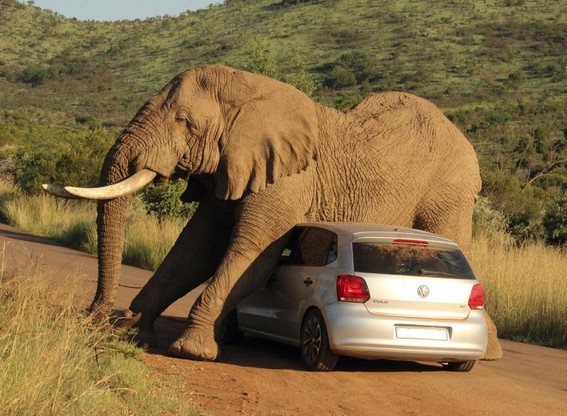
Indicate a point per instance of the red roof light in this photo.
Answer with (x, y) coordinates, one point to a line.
(410, 242)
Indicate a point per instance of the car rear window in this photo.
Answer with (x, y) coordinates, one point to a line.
(410, 260)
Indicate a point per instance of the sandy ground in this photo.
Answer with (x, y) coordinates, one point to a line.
(261, 377)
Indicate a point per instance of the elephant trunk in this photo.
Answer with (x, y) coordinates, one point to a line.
(110, 229)
(111, 216)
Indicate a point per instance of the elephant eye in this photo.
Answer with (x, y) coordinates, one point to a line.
(181, 117)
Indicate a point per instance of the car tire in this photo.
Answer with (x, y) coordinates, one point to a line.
(315, 350)
(229, 332)
(463, 367)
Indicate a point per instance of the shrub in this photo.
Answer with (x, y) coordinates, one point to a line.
(261, 61)
(521, 206)
(36, 75)
(164, 201)
(48, 159)
(555, 221)
(487, 220)
(340, 77)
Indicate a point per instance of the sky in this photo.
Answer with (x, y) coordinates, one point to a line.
(109, 10)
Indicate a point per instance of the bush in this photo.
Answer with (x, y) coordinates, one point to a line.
(353, 68)
(164, 201)
(555, 221)
(340, 77)
(261, 61)
(487, 220)
(45, 158)
(36, 75)
(521, 206)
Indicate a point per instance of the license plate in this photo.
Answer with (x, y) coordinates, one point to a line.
(417, 332)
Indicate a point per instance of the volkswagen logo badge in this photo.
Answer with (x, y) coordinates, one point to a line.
(423, 291)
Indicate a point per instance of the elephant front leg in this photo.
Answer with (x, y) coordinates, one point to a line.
(192, 260)
(258, 240)
(200, 340)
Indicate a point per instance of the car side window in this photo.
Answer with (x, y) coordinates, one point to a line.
(310, 246)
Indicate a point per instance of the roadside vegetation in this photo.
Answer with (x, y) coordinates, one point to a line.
(56, 361)
(525, 287)
(152, 225)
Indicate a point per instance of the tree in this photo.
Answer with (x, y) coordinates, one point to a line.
(260, 61)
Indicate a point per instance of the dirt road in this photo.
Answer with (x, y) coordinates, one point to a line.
(265, 378)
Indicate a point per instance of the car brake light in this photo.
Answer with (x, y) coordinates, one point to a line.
(476, 299)
(410, 242)
(352, 289)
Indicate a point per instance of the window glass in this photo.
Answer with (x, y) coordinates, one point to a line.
(310, 246)
(410, 260)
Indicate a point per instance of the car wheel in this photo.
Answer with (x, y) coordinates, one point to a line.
(315, 349)
(464, 366)
(229, 332)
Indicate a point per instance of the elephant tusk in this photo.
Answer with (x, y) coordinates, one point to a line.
(117, 190)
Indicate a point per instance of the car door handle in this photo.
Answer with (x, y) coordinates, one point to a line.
(308, 282)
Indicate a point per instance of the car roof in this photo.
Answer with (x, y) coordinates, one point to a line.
(361, 230)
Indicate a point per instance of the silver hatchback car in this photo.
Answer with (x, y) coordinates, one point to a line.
(370, 291)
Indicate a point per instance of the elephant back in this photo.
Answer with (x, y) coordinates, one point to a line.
(412, 128)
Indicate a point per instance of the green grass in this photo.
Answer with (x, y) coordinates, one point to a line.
(56, 361)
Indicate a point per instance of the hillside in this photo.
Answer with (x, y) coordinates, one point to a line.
(497, 68)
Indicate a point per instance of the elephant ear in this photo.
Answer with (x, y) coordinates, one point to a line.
(272, 136)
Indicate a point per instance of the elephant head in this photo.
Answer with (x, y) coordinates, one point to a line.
(238, 130)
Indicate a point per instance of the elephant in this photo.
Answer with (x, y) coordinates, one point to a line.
(260, 157)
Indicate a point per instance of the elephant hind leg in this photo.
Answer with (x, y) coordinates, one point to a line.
(457, 225)
(493, 349)
(448, 215)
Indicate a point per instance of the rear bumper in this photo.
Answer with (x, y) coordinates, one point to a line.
(354, 332)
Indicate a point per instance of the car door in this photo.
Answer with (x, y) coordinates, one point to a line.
(277, 309)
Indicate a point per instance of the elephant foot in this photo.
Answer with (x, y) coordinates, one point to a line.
(493, 349)
(100, 314)
(198, 345)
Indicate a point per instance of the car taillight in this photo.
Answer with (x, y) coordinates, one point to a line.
(476, 299)
(352, 289)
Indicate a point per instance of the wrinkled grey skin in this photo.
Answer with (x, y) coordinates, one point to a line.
(261, 157)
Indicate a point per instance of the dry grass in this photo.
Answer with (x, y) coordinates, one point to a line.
(148, 239)
(70, 222)
(55, 361)
(526, 288)
(73, 223)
